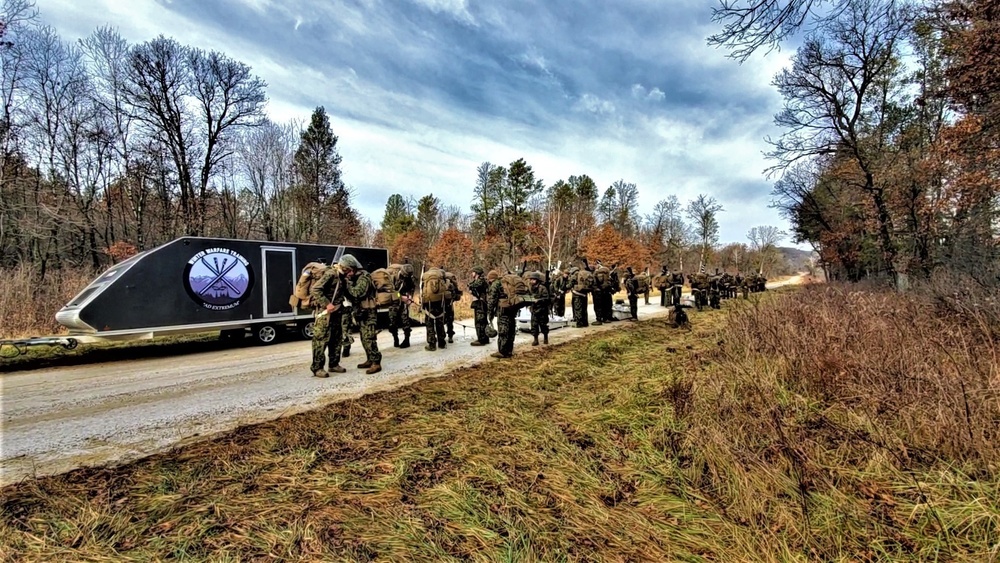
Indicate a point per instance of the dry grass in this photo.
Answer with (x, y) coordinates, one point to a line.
(28, 304)
(637, 444)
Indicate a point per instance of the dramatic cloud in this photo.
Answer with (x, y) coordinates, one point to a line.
(421, 92)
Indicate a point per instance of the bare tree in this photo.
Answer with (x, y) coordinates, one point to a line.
(764, 241)
(749, 25)
(838, 100)
(703, 212)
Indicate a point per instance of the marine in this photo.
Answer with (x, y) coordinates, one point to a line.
(362, 292)
(579, 300)
(506, 320)
(399, 313)
(434, 309)
(559, 285)
(539, 307)
(326, 297)
(479, 289)
(632, 291)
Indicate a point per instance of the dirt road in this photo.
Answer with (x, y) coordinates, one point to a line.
(58, 419)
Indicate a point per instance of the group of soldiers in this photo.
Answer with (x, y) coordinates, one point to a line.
(345, 290)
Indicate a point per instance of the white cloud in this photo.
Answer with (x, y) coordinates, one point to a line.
(656, 95)
(593, 104)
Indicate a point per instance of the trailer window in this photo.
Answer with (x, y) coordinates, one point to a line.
(83, 295)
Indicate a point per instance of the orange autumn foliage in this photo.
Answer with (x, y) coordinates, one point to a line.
(610, 247)
(454, 251)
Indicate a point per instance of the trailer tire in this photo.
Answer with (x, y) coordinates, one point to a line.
(306, 330)
(265, 334)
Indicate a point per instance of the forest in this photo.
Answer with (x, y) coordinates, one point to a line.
(886, 165)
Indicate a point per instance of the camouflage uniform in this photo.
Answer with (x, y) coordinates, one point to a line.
(399, 314)
(632, 291)
(434, 321)
(665, 279)
(579, 304)
(479, 290)
(506, 321)
(362, 291)
(676, 287)
(326, 326)
(449, 316)
(346, 316)
(539, 311)
(558, 294)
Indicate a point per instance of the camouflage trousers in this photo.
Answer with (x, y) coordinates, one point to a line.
(326, 336)
(675, 293)
(663, 297)
(559, 305)
(346, 314)
(647, 297)
(399, 319)
(481, 319)
(449, 318)
(506, 330)
(580, 310)
(367, 319)
(434, 321)
(633, 306)
(540, 323)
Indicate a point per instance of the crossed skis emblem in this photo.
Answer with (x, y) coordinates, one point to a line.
(220, 274)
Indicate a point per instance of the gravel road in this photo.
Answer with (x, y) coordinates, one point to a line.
(59, 419)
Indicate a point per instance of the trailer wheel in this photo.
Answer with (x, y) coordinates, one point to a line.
(306, 330)
(265, 334)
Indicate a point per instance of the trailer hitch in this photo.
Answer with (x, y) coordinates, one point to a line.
(15, 348)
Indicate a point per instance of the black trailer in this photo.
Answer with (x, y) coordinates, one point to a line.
(196, 284)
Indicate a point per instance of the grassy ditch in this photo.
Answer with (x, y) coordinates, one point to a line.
(643, 443)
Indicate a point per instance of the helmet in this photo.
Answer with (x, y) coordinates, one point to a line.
(349, 261)
(537, 276)
(492, 275)
(478, 270)
(406, 270)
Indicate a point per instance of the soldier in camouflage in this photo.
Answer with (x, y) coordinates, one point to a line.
(632, 291)
(579, 300)
(479, 289)
(362, 292)
(506, 321)
(399, 314)
(539, 307)
(558, 288)
(327, 298)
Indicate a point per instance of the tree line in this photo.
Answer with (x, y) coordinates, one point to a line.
(110, 148)
(888, 159)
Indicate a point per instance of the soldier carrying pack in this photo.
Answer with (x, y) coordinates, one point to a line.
(515, 290)
(433, 286)
(310, 274)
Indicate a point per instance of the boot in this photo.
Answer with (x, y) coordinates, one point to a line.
(365, 364)
(406, 341)
(450, 341)
(545, 338)
(478, 343)
(320, 373)
(337, 369)
(375, 368)
(430, 347)
(535, 341)
(345, 352)
(498, 355)
(395, 340)
(597, 323)
(442, 345)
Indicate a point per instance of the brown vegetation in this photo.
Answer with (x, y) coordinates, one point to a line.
(805, 425)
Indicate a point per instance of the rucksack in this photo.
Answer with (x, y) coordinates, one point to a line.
(386, 282)
(661, 281)
(515, 289)
(602, 275)
(433, 286)
(452, 293)
(584, 281)
(310, 275)
(642, 283)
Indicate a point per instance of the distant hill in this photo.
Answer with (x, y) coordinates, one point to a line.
(796, 257)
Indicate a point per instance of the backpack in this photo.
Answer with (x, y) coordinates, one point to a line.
(602, 275)
(515, 288)
(310, 274)
(642, 283)
(452, 293)
(584, 281)
(386, 280)
(661, 281)
(433, 286)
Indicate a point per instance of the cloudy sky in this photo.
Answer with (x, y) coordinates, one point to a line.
(421, 92)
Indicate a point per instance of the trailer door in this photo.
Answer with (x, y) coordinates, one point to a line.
(279, 280)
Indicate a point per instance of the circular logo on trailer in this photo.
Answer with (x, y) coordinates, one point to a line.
(218, 278)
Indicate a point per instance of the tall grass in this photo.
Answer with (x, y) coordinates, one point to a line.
(29, 302)
(642, 443)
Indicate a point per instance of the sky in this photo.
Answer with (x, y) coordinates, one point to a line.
(421, 92)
